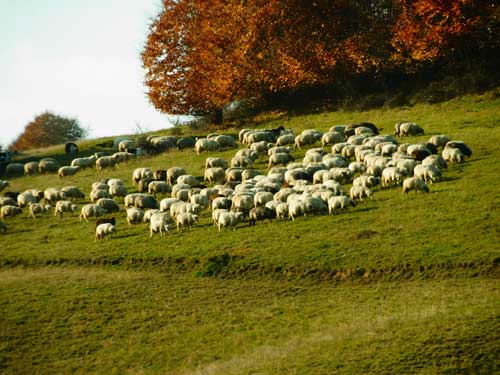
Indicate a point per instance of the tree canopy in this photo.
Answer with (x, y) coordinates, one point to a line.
(201, 55)
(48, 129)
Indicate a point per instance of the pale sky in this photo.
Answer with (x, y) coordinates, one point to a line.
(76, 58)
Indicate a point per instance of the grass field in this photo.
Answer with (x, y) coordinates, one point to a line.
(396, 285)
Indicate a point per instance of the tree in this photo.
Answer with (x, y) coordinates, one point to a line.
(48, 129)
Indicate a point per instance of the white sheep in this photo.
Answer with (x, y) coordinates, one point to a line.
(52, 195)
(25, 199)
(439, 140)
(86, 162)
(331, 137)
(186, 220)
(4, 184)
(73, 192)
(392, 175)
(453, 155)
(108, 204)
(360, 192)
(91, 210)
(38, 208)
(216, 213)
(105, 162)
(205, 144)
(340, 202)
(429, 173)
(214, 175)
(9, 211)
(98, 194)
(67, 171)
(134, 215)
(142, 173)
(48, 165)
(201, 200)
(104, 230)
(229, 220)
(414, 183)
(118, 191)
(31, 168)
(159, 222)
(281, 210)
(64, 206)
(212, 162)
(159, 187)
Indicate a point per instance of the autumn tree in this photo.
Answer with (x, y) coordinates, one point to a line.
(48, 129)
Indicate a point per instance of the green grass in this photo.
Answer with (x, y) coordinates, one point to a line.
(396, 285)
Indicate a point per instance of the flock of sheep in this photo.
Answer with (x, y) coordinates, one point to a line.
(234, 190)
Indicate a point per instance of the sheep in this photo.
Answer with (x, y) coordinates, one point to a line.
(461, 146)
(48, 165)
(3, 227)
(357, 168)
(4, 184)
(38, 208)
(14, 169)
(281, 210)
(159, 187)
(363, 130)
(439, 140)
(279, 158)
(86, 162)
(200, 199)
(104, 162)
(186, 220)
(234, 174)
(221, 202)
(261, 147)
(185, 142)
(134, 215)
(118, 191)
(241, 161)
(351, 128)
(73, 192)
(357, 139)
(125, 144)
(366, 180)
(332, 161)
(103, 220)
(315, 205)
(122, 157)
(307, 138)
(402, 129)
(258, 136)
(249, 174)
(91, 210)
(296, 208)
(429, 173)
(98, 194)
(104, 230)
(173, 173)
(242, 203)
(453, 155)
(229, 219)
(31, 168)
(330, 138)
(167, 202)
(392, 175)
(108, 204)
(216, 213)
(204, 144)
(225, 141)
(360, 192)
(436, 160)
(142, 173)
(212, 162)
(285, 139)
(67, 171)
(260, 214)
(64, 206)
(159, 222)
(9, 200)
(140, 200)
(414, 183)
(9, 211)
(214, 175)
(339, 202)
(52, 195)
(25, 199)
(262, 197)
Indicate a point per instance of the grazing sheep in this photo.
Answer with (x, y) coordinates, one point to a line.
(307, 138)
(86, 162)
(225, 141)
(242, 203)
(103, 220)
(64, 206)
(330, 138)
(122, 157)
(205, 144)
(104, 230)
(280, 158)
(118, 191)
(25, 199)
(262, 197)
(125, 144)
(134, 215)
(52, 195)
(159, 187)
(229, 220)
(402, 129)
(360, 192)
(185, 142)
(461, 146)
(186, 219)
(73, 192)
(67, 171)
(159, 222)
(212, 162)
(38, 208)
(436, 160)
(105, 162)
(48, 165)
(392, 175)
(261, 214)
(31, 168)
(98, 194)
(453, 155)
(173, 173)
(351, 128)
(4, 184)
(148, 213)
(439, 140)
(414, 183)
(9, 211)
(366, 180)
(214, 175)
(108, 204)
(285, 139)
(141, 174)
(14, 169)
(200, 199)
(91, 210)
(140, 200)
(281, 210)
(429, 173)
(340, 202)
(234, 174)
(296, 208)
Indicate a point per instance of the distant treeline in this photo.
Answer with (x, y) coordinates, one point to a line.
(202, 55)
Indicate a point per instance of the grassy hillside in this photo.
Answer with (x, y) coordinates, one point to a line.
(396, 285)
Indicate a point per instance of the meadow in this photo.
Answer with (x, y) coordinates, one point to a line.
(399, 284)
